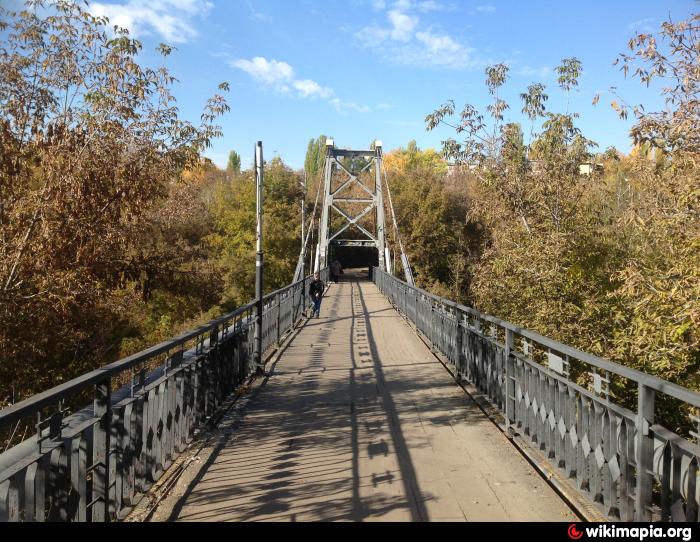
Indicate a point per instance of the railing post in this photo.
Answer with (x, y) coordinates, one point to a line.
(415, 310)
(101, 455)
(644, 453)
(459, 340)
(279, 314)
(510, 383)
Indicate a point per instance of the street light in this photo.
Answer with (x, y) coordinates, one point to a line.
(303, 224)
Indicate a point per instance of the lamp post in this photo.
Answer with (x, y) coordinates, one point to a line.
(303, 225)
(257, 351)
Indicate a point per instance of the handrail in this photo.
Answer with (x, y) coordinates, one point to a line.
(614, 456)
(128, 437)
(18, 410)
(651, 381)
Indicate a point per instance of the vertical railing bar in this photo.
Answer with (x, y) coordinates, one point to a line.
(101, 451)
(644, 452)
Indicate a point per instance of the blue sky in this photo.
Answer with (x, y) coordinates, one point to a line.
(372, 69)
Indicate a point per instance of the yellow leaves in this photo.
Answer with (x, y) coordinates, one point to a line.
(621, 110)
(400, 161)
(395, 162)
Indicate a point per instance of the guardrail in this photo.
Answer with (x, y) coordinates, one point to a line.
(626, 462)
(96, 463)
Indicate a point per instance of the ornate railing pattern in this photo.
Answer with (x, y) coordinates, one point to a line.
(625, 461)
(94, 464)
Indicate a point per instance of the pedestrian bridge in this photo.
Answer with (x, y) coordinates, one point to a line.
(393, 405)
(358, 421)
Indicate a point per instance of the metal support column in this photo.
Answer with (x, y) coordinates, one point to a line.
(322, 254)
(383, 264)
(303, 224)
(257, 352)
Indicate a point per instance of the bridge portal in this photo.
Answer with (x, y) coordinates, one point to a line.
(354, 257)
(353, 206)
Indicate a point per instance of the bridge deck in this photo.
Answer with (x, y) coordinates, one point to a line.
(359, 422)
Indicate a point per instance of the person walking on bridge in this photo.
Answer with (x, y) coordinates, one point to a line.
(316, 293)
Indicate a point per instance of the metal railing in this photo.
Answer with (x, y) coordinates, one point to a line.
(626, 462)
(95, 464)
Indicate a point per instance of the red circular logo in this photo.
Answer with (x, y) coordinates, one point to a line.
(573, 532)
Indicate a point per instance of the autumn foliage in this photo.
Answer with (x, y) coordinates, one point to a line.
(116, 233)
(607, 261)
(93, 217)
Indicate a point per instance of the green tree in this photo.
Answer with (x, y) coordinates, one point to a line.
(234, 163)
(659, 292)
(568, 73)
(315, 157)
(672, 55)
(232, 239)
(431, 215)
(480, 142)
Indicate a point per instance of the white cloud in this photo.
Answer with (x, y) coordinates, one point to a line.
(404, 40)
(486, 8)
(438, 44)
(308, 88)
(268, 72)
(402, 25)
(279, 77)
(171, 19)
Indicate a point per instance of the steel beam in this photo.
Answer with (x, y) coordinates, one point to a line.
(330, 197)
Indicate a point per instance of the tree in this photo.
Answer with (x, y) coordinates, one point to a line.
(609, 263)
(234, 163)
(673, 55)
(479, 143)
(610, 153)
(659, 293)
(431, 218)
(533, 104)
(568, 73)
(315, 157)
(232, 239)
(496, 77)
(90, 146)
(532, 261)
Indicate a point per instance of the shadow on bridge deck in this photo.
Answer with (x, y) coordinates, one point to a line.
(359, 422)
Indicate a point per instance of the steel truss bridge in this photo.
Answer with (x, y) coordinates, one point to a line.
(395, 404)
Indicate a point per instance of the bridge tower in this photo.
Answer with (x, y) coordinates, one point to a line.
(347, 177)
